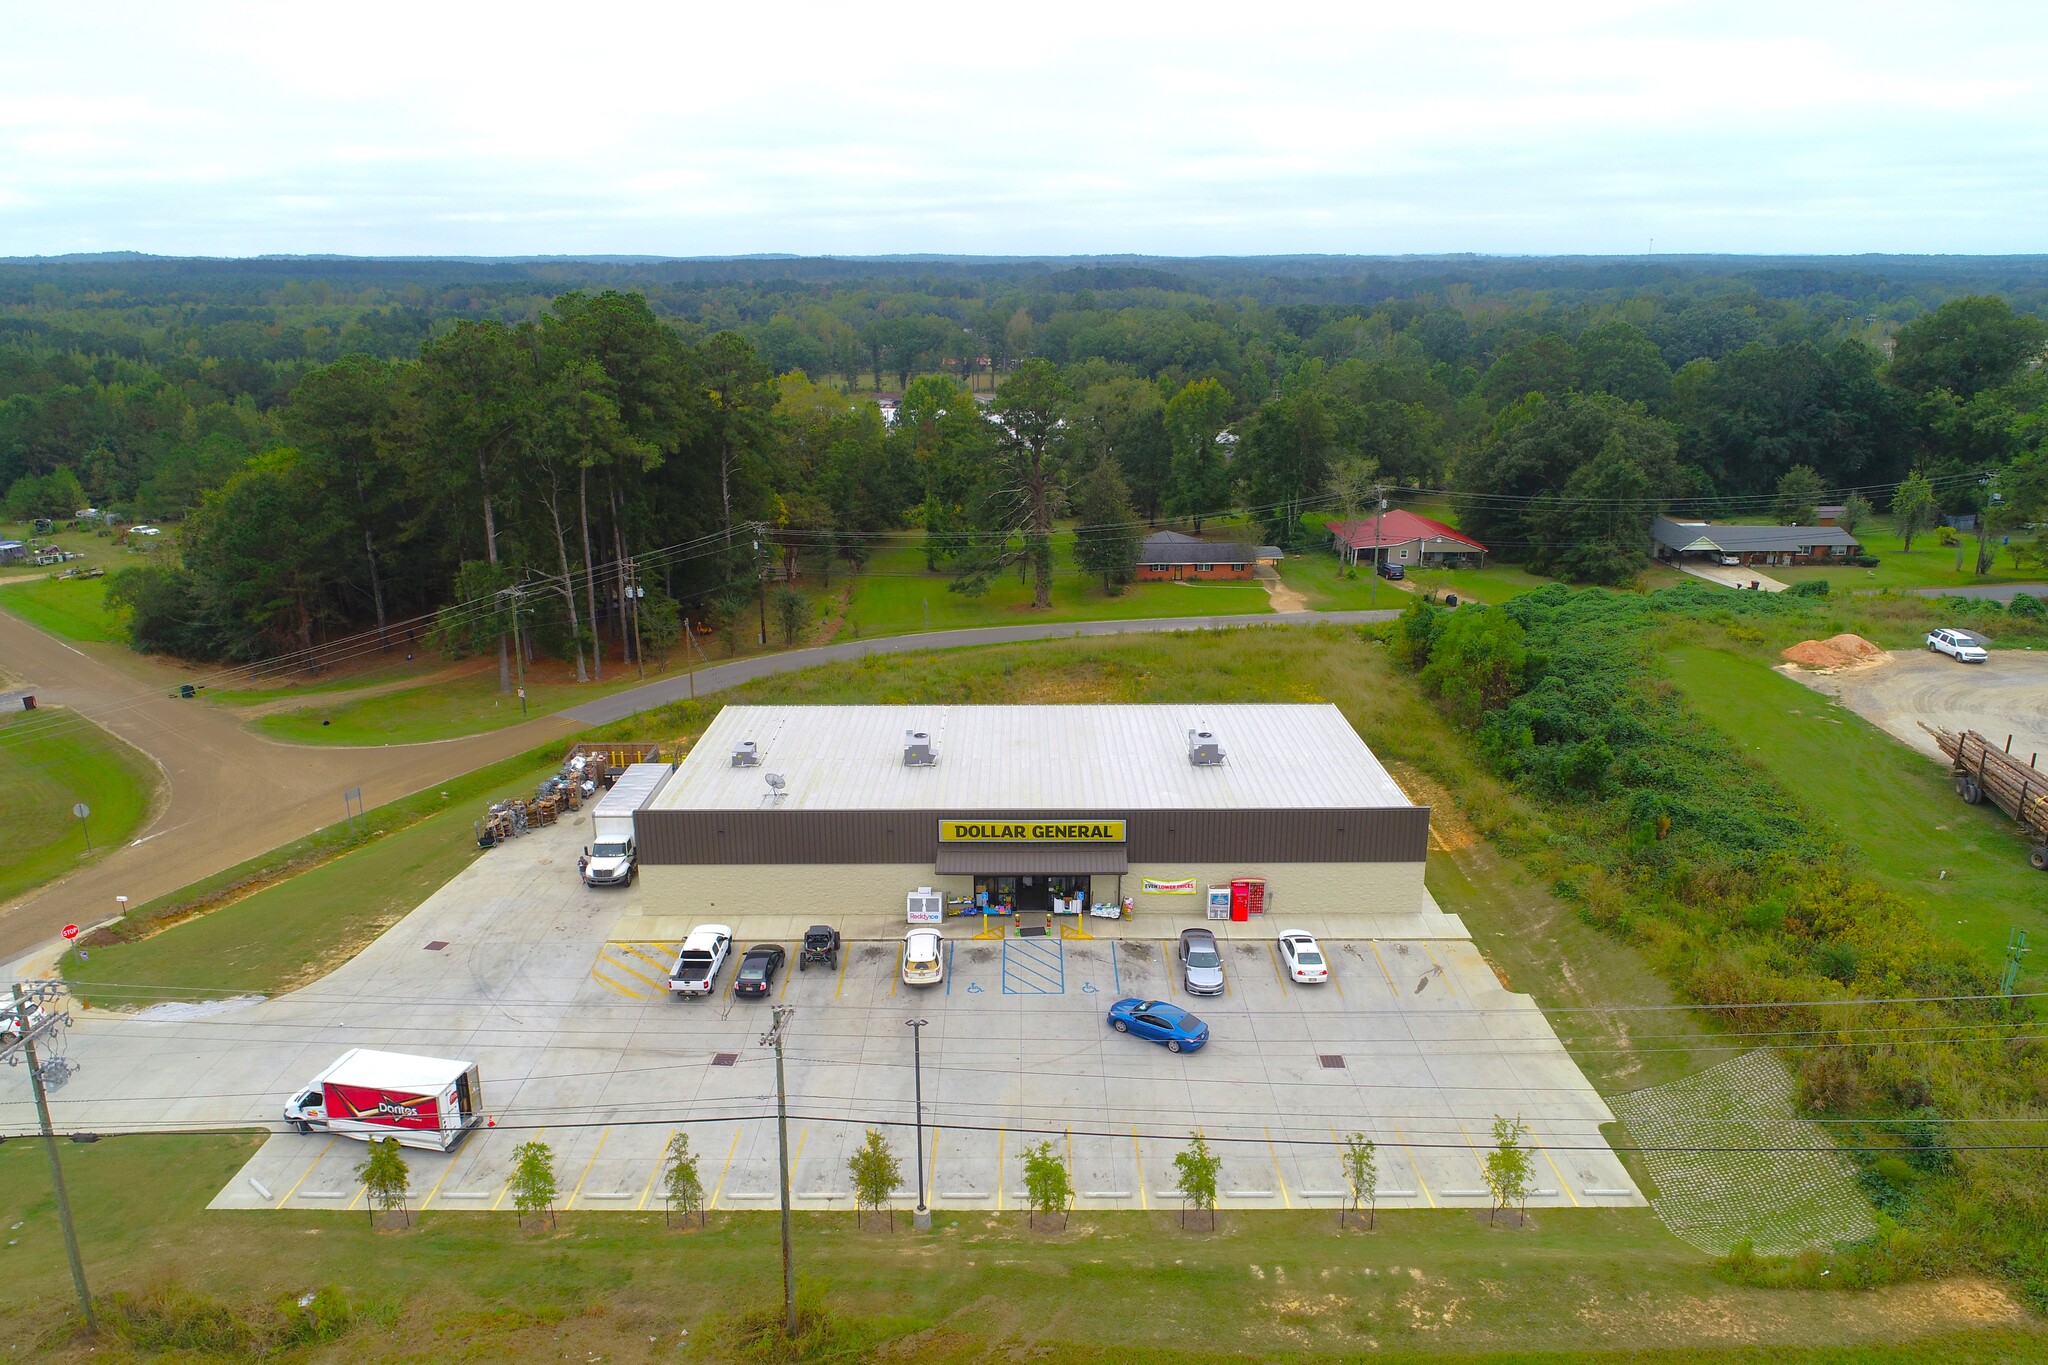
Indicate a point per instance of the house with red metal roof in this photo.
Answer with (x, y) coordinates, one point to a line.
(1397, 537)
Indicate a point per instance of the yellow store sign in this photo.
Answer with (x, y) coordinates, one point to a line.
(999, 831)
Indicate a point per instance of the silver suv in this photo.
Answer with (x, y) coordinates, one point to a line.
(1201, 963)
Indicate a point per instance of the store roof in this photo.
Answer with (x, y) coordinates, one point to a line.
(1099, 759)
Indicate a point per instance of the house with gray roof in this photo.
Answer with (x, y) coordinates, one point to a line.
(1173, 557)
(1673, 540)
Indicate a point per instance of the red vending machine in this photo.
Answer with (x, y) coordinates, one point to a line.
(1247, 897)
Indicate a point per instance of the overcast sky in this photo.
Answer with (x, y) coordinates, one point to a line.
(687, 129)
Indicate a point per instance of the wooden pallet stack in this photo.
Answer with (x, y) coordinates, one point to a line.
(1981, 771)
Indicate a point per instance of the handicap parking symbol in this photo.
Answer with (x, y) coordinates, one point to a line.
(974, 988)
(1088, 988)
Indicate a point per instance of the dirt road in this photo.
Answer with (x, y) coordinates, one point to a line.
(2007, 696)
(228, 794)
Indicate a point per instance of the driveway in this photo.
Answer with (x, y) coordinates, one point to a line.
(2007, 696)
(513, 964)
(1728, 576)
(227, 794)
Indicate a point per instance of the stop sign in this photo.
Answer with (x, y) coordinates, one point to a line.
(71, 931)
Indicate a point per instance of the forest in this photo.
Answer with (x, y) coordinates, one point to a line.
(451, 447)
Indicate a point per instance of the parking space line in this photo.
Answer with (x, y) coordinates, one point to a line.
(612, 985)
(538, 1133)
(845, 956)
(358, 1198)
(655, 963)
(1000, 1135)
(1286, 1202)
(1561, 1182)
(1278, 975)
(1443, 972)
(637, 976)
(573, 1194)
(787, 977)
(933, 1164)
(1138, 1153)
(949, 966)
(1034, 967)
(1166, 956)
(438, 1184)
(1420, 1183)
(1374, 944)
(317, 1159)
(726, 1169)
(896, 975)
(661, 1161)
(1116, 973)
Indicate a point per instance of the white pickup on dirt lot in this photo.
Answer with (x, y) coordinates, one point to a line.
(514, 965)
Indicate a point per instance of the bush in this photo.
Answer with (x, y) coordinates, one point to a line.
(1811, 587)
(2026, 605)
(173, 1318)
(1864, 561)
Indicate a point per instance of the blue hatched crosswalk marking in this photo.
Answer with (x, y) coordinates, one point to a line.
(1034, 966)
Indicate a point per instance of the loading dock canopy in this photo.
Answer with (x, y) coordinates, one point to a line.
(1009, 860)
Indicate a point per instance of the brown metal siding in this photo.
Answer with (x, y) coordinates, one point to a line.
(1392, 835)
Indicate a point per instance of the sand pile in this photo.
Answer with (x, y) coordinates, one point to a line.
(1837, 651)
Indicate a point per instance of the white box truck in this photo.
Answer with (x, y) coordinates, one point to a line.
(611, 859)
(421, 1101)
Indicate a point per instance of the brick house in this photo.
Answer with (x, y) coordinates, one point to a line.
(1170, 557)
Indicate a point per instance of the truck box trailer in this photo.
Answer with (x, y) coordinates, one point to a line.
(421, 1101)
(612, 857)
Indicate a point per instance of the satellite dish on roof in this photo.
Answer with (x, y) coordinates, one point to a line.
(775, 780)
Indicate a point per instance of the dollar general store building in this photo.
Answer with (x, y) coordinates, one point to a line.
(848, 809)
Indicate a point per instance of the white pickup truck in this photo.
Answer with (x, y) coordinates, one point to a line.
(703, 953)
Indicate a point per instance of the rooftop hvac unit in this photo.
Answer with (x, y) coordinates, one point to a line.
(746, 754)
(917, 750)
(1204, 749)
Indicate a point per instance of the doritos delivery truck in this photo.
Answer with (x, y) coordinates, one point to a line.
(421, 1101)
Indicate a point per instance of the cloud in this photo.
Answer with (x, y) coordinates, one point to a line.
(468, 129)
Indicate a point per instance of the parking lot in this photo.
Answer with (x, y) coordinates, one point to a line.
(1413, 1042)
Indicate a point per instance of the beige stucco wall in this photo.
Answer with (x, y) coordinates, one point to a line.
(869, 888)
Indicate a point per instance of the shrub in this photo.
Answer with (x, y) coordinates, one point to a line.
(1811, 587)
(2026, 605)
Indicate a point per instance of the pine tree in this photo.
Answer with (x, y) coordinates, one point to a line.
(1107, 542)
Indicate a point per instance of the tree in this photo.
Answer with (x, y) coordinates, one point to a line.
(1199, 479)
(1544, 364)
(1195, 1172)
(1856, 510)
(1598, 531)
(340, 416)
(1965, 346)
(1799, 491)
(1616, 358)
(1017, 502)
(1285, 459)
(876, 1174)
(1124, 419)
(681, 1184)
(1507, 1166)
(1047, 1186)
(1913, 507)
(1476, 662)
(386, 1179)
(1107, 541)
(792, 613)
(1362, 1175)
(533, 1180)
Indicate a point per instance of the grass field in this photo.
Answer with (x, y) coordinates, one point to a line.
(72, 608)
(895, 595)
(305, 924)
(50, 760)
(1890, 802)
(1319, 576)
(1110, 1288)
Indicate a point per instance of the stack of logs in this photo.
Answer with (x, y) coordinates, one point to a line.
(1983, 772)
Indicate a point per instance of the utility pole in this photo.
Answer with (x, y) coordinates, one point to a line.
(923, 1218)
(773, 1038)
(50, 1023)
(761, 584)
(1378, 516)
(633, 576)
(518, 649)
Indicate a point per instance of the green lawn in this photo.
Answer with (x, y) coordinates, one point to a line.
(50, 760)
(1494, 584)
(895, 595)
(299, 927)
(74, 608)
(340, 682)
(439, 710)
(1319, 576)
(1893, 804)
(1111, 1288)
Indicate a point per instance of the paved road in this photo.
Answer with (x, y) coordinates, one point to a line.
(228, 794)
(2001, 592)
(619, 705)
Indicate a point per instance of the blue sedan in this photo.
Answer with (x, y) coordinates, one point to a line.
(1159, 1022)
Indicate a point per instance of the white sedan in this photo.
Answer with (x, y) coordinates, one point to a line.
(1303, 957)
(922, 963)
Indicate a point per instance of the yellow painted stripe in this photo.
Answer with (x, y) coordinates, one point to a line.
(1000, 1136)
(655, 1174)
(1279, 974)
(1374, 945)
(612, 985)
(726, 1169)
(1415, 1166)
(845, 956)
(1449, 984)
(318, 1158)
(659, 964)
(636, 975)
(1138, 1154)
(1562, 1183)
(897, 974)
(1286, 1202)
(586, 1170)
(438, 1184)
(508, 1184)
